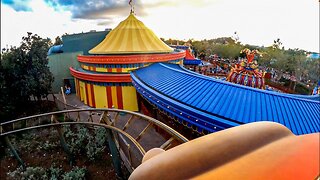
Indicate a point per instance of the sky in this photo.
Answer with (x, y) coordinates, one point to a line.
(257, 22)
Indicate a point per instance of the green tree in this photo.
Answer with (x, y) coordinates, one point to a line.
(24, 73)
(57, 41)
(277, 44)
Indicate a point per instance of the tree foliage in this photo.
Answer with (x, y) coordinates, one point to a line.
(24, 73)
(291, 61)
(57, 41)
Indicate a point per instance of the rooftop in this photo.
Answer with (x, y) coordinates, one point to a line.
(131, 36)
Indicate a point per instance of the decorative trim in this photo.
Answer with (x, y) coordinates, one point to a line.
(130, 59)
(100, 77)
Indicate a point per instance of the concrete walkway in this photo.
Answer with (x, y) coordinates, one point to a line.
(71, 100)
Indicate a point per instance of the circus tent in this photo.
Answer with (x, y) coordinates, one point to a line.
(103, 81)
(131, 36)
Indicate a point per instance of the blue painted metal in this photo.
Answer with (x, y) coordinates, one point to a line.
(213, 105)
(55, 49)
(191, 62)
(180, 47)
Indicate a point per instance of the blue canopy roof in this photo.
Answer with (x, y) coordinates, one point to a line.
(191, 62)
(314, 56)
(55, 49)
(206, 103)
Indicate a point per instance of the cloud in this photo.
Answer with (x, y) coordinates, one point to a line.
(18, 5)
(105, 22)
(95, 9)
(295, 22)
(110, 9)
(103, 12)
(43, 20)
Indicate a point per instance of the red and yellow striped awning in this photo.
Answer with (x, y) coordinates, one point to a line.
(131, 36)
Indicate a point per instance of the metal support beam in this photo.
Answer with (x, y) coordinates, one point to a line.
(14, 152)
(166, 144)
(115, 154)
(144, 130)
(62, 140)
(128, 122)
(115, 119)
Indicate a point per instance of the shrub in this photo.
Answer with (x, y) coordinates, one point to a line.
(81, 140)
(77, 138)
(75, 173)
(96, 146)
(53, 173)
(31, 173)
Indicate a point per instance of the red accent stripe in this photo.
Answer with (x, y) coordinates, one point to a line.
(131, 59)
(78, 87)
(87, 94)
(92, 96)
(119, 97)
(109, 69)
(119, 70)
(100, 77)
(109, 96)
(94, 69)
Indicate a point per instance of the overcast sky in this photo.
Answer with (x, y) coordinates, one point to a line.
(257, 22)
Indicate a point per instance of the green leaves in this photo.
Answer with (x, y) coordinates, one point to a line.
(24, 73)
(75, 173)
(82, 141)
(53, 173)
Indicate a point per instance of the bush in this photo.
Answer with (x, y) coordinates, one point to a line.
(77, 138)
(75, 173)
(82, 141)
(96, 146)
(31, 173)
(53, 173)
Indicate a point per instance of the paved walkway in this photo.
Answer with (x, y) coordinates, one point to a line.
(71, 100)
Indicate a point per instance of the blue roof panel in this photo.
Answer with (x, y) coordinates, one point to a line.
(214, 104)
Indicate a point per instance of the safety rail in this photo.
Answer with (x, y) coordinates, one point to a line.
(141, 150)
(133, 133)
(161, 125)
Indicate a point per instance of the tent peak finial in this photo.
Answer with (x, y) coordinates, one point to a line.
(132, 7)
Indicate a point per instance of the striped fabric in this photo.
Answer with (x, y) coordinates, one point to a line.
(131, 36)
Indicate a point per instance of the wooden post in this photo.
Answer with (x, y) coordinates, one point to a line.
(64, 98)
(66, 116)
(54, 97)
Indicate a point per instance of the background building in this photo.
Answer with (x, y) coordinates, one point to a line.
(61, 57)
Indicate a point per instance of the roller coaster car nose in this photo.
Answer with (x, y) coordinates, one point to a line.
(261, 150)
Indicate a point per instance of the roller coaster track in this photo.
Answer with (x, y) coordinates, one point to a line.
(131, 133)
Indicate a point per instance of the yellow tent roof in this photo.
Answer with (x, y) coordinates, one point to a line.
(131, 36)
